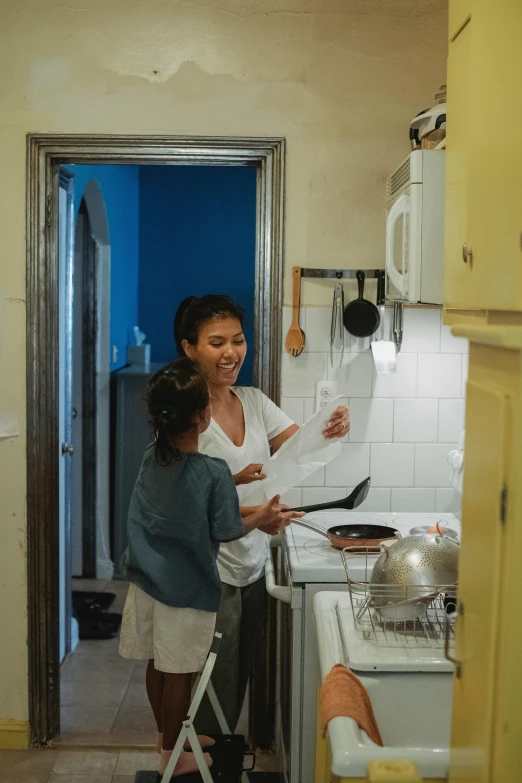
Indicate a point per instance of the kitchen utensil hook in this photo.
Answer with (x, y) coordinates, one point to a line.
(337, 321)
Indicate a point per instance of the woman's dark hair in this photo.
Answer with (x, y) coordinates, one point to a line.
(177, 394)
(194, 312)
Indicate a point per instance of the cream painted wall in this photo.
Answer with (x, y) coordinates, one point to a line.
(340, 79)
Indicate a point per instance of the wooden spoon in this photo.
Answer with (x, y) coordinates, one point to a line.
(295, 339)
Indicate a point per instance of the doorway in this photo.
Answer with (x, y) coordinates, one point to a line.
(171, 231)
(45, 154)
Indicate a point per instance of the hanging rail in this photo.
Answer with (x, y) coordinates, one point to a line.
(338, 274)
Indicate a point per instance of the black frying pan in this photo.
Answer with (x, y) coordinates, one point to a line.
(341, 536)
(361, 317)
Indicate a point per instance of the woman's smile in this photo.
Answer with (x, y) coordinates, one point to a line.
(229, 367)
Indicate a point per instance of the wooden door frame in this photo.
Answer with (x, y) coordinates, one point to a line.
(89, 394)
(45, 154)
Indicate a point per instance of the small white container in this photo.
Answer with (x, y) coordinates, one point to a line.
(139, 354)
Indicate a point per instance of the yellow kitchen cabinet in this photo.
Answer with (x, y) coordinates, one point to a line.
(459, 12)
(487, 709)
(456, 272)
(483, 244)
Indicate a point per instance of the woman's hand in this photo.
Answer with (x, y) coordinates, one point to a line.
(276, 516)
(339, 424)
(249, 474)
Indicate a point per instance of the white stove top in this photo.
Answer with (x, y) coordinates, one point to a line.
(313, 559)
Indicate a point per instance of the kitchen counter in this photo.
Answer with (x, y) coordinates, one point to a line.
(413, 709)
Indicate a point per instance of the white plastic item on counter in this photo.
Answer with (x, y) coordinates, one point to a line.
(303, 454)
(456, 461)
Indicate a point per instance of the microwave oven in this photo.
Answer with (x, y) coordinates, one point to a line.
(415, 228)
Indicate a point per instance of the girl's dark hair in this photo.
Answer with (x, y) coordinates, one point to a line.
(177, 394)
(194, 312)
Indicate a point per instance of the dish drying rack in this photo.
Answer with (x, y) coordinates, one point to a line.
(434, 625)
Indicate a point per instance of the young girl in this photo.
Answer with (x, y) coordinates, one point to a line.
(183, 504)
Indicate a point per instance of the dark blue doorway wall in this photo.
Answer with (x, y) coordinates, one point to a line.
(197, 236)
(175, 231)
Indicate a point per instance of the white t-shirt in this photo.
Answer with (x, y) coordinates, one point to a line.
(242, 562)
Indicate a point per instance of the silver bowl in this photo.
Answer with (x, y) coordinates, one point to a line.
(414, 570)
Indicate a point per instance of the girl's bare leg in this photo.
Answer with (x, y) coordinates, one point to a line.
(154, 681)
(174, 708)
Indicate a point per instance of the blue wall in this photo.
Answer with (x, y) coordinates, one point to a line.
(120, 188)
(175, 231)
(197, 236)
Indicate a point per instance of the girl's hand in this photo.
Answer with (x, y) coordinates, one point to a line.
(276, 516)
(249, 474)
(339, 424)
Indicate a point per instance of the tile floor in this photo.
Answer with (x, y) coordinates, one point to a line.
(108, 731)
(103, 698)
(76, 766)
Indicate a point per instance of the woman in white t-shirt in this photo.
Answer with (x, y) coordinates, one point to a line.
(245, 426)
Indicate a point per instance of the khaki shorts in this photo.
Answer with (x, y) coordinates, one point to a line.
(178, 639)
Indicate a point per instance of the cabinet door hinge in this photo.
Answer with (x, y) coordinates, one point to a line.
(503, 504)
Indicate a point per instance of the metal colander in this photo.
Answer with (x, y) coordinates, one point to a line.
(412, 568)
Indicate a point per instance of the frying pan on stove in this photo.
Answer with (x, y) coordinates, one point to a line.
(341, 536)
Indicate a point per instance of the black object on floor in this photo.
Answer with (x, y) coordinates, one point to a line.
(227, 755)
(86, 601)
(90, 609)
(99, 625)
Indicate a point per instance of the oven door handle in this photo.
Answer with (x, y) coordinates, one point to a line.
(278, 592)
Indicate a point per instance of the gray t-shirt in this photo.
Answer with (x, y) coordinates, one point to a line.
(178, 514)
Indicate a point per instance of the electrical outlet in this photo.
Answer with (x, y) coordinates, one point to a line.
(325, 391)
(114, 354)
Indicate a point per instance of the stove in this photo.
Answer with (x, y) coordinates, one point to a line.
(313, 559)
(307, 564)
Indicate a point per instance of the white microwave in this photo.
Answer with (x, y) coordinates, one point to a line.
(415, 228)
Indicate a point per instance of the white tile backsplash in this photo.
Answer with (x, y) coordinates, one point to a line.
(354, 377)
(287, 320)
(415, 500)
(313, 495)
(448, 501)
(392, 464)
(421, 331)
(371, 420)
(359, 344)
(415, 421)
(315, 480)
(292, 498)
(293, 407)
(450, 344)
(378, 499)
(451, 420)
(350, 467)
(439, 375)
(402, 425)
(402, 383)
(465, 363)
(318, 324)
(301, 373)
(308, 407)
(431, 464)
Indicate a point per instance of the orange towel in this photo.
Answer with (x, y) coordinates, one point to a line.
(342, 693)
